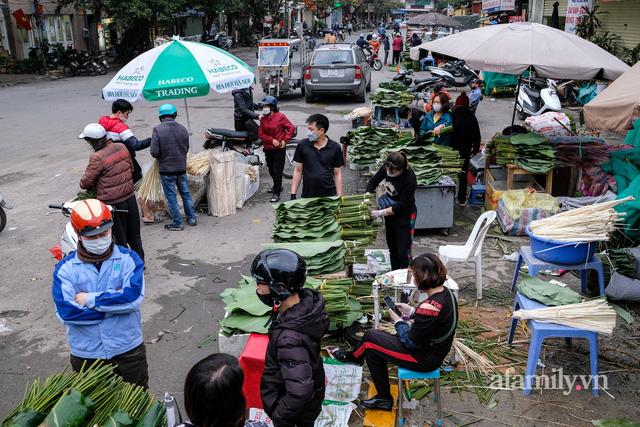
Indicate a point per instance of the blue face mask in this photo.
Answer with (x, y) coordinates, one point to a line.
(312, 136)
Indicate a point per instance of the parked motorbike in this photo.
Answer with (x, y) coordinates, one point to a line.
(221, 40)
(466, 75)
(81, 63)
(567, 91)
(536, 96)
(404, 76)
(422, 88)
(3, 216)
(340, 35)
(372, 58)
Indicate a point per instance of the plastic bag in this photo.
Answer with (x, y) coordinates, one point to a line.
(546, 124)
(343, 381)
(335, 414)
(623, 288)
(71, 411)
(516, 201)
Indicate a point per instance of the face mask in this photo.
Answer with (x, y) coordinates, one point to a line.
(97, 246)
(437, 107)
(312, 136)
(392, 174)
(266, 299)
(266, 111)
(123, 118)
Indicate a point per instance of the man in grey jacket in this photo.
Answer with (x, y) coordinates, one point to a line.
(170, 144)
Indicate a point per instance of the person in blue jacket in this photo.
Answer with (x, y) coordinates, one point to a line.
(97, 291)
(438, 118)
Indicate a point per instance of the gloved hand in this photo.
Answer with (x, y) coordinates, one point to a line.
(377, 213)
(405, 309)
(293, 197)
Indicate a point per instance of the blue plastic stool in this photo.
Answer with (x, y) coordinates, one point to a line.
(540, 331)
(405, 374)
(536, 265)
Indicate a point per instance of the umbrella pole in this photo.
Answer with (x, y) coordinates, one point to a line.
(513, 117)
(186, 109)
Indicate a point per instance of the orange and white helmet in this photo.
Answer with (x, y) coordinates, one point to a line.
(90, 217)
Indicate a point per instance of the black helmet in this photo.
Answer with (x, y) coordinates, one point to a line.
(283, 270)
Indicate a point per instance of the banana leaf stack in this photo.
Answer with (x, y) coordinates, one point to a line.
(395, 86)
(429, 162)
(340, 307)
(321, 257)
(306, 220)
(364, 143)
(390, 98)
(95, 396)
(505, 152)
(534, 153)
(357, 228)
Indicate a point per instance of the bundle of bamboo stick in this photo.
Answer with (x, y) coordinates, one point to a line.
(587, 224)
(595, 315)
(150, 189)
(198, 164)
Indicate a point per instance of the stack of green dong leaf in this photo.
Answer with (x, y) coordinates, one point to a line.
(94, 396)
(308, 220)
(357, 228)
(391, 98)
(534, 153)
(366, 142)
(502, 149)
(320, 257)
(245, 312)
(341, 308)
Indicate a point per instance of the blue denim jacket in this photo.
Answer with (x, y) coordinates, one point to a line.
(111, 322)
(428, 125)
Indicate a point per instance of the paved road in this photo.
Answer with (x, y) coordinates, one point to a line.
(41, 163)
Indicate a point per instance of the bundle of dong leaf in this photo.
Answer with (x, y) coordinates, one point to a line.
(95, 396)
(245, 313)
(308, 220)
(391, 98)
(534, 153)
(341, 308)
(502, 149)
(364, 143)
(320, 257)
(395, 86)
(357, 228)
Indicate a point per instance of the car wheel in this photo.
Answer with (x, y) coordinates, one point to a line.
(361, 98)
(308, 97)
(302, 89)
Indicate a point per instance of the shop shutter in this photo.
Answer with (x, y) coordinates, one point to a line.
(623, 19)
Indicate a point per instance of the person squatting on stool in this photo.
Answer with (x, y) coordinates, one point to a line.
(424, 334)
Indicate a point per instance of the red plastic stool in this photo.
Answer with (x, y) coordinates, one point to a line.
(252, 362)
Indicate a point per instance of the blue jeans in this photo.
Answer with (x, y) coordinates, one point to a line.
(169, 184)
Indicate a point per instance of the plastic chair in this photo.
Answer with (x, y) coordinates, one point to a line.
(405, 374)
(472, 250)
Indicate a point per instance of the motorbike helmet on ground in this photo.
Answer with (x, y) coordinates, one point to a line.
(283, 270)
(269, 100)
(91, 217)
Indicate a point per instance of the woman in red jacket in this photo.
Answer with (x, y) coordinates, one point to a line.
(274, 132)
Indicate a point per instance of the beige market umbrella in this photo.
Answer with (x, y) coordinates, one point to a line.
(514, 48)
(434, 19)
(618, 106)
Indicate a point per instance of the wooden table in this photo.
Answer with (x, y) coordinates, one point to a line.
(513, 170)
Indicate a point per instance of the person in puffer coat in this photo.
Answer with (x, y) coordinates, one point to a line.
(293, 382)
(110, 173)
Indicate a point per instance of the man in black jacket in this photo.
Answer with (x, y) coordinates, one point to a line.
(293, 382)
(466, 139)
(243, 108)
(170, 144)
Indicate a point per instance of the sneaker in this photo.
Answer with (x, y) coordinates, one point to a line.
(192, 222)
(272, 190)
(173, 227)
(378, 402)
(344, 356)
(275, 198)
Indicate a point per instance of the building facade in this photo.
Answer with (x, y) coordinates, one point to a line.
(419, 6)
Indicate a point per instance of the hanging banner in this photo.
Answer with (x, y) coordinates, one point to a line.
(575, 9)
(490, 6)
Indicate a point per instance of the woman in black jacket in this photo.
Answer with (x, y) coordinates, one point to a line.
(424, 333)
(466, 139)
(397, 205)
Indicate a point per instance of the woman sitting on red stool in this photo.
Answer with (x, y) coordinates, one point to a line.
(424, 334)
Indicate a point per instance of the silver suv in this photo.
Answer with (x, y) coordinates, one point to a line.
(339, 68)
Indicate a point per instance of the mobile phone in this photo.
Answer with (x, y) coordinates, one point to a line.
(392, 305)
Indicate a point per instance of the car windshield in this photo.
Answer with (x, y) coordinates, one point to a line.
(328, 57)
(273, 55)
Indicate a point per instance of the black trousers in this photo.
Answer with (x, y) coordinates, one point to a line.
(126, 226)
(399, 240)
(396, 57)
(462, 182)
(275, 163)
(131, 366)
(240, 124)
(378, 348)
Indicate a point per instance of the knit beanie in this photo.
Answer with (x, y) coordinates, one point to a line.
(462, 100)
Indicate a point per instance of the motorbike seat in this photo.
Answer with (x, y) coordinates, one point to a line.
(426, 79)
(229, 133)
(531, 91)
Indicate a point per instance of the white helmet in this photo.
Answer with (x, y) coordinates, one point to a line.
(375, 37)
(93, 131)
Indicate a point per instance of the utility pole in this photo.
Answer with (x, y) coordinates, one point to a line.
(43, 55)
(287, 17)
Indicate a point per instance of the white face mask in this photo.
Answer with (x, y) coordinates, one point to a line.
(266, 110)
(97, 246)
(437, 107)
(312, 136)
(393, 174)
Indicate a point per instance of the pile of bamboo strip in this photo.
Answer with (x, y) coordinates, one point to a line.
(198, 164)
(587, 224)
(150, 188)
(595, 315)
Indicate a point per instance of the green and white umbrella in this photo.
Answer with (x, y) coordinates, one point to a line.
(178, 69)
